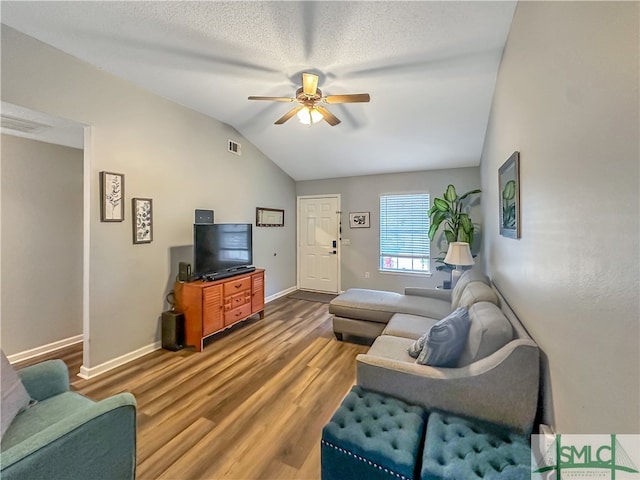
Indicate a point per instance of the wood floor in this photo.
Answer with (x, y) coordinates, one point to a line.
(250, 406)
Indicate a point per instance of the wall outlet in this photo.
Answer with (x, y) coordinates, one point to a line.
(366, 274)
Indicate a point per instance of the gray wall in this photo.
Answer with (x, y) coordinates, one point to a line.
(41, 243)
(168, 153)
(362, 194)
(567, 99)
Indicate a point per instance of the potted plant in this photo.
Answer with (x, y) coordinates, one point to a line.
(452, 213)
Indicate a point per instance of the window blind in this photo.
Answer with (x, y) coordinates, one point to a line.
(404, 227)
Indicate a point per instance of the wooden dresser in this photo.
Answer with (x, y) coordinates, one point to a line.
(210, 307)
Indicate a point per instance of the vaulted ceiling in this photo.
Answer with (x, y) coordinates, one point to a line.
(430, 68)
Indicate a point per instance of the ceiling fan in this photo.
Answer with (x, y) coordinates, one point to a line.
(309, 96)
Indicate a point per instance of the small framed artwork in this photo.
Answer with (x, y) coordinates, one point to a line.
(509, 190)
(111, 197)
(142, 213)
(269, 217)
(359, 220)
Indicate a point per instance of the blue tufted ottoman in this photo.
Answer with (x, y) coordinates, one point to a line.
(460, 449)
(372, 437)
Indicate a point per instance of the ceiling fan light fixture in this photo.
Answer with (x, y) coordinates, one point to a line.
(309, 116)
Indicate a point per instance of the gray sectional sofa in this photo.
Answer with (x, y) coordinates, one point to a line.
(496, 377)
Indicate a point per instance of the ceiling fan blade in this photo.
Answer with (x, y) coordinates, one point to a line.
(289, 114)
(329, 117)
(273, 99)
(309, 84)
(351, 98)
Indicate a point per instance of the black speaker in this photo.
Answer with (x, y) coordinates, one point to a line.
(172, 330)
(184, 272)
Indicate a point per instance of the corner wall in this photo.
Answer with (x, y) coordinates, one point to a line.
(362, 194)
(173, 155)
(567, 98)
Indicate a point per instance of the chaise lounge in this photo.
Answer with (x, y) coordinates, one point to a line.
(495, 377)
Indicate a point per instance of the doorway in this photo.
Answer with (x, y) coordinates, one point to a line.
(46, 190)
(318, 243)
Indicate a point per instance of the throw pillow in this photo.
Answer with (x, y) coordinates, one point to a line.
(416, 347)
(14, 396)
(446, 340)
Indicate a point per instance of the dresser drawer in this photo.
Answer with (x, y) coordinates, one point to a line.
(236, 286)
(237, 314)
(237, 300)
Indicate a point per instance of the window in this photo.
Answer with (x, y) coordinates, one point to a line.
(404, 233)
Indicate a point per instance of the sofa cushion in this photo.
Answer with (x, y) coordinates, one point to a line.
(392, 348)
(409, 326)
(364, 304)
(379, 306)
(490, 330)
(14, 396)
(472, 275)
(445, 340)
(42, 415)
(477, 292)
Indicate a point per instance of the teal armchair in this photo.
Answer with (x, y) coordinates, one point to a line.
(67, 436)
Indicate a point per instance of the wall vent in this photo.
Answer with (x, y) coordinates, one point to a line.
(21, 125)
(234, 147)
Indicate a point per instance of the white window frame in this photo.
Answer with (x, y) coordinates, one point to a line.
(405, 258)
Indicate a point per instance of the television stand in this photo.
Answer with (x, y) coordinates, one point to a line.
(212, 306)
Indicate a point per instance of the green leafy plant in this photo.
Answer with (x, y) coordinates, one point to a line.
(509, 205)
(452, 213)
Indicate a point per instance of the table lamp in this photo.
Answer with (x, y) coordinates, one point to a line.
(459, 255)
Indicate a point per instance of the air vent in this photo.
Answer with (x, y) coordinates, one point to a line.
(234, 147)
(21, 125)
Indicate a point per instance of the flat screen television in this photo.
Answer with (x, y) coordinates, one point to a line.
(221, 249)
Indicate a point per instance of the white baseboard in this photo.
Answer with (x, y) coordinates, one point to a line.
(271, 298)
(51, 347)
(93, 372)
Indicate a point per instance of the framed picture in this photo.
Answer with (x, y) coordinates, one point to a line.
(359, 220)
(509, 190)
(111, 197)
(269, 217)
(142, 213)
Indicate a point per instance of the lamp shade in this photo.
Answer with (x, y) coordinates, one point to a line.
(459, 254)
(309, 116)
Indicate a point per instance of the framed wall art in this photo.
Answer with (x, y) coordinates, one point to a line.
(269, 217)
(111, 197)
(509, 191)
(359, 220)
(142, 213)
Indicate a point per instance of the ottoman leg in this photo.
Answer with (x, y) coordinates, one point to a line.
(338, 335)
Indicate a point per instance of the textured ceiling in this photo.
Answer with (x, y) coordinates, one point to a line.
(430, 68)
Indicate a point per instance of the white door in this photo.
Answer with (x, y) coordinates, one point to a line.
(318, 241)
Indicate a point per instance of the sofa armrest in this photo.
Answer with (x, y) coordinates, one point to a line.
(45, 379)
(501, 388)
(91, 443)
(440, 294)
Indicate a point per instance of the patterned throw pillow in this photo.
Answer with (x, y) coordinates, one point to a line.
(14, 396)
(416, 347)
(446, 340)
